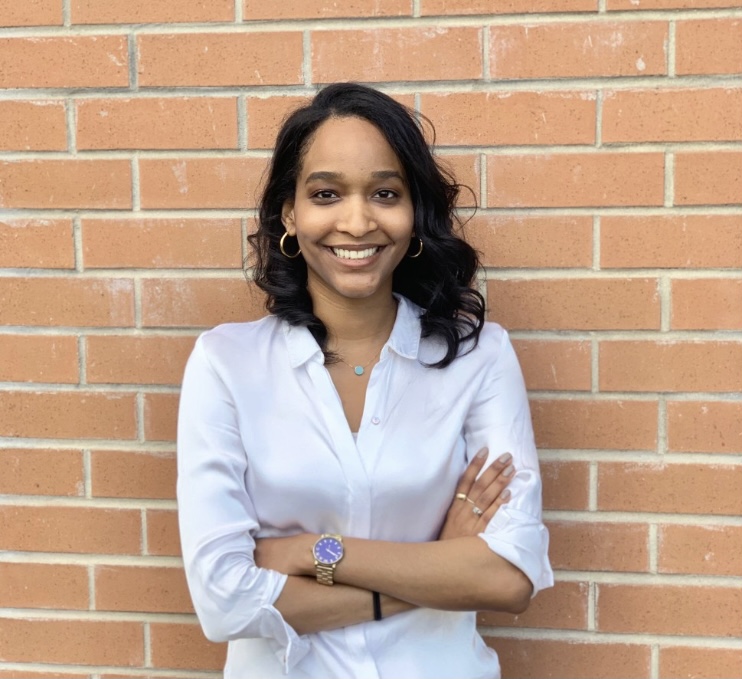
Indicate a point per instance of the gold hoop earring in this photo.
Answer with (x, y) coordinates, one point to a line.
(283, 250)
(419, 252)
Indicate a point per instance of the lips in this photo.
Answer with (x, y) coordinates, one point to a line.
(343, 253)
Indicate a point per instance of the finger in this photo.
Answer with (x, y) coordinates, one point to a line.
(489, 475)
(470, 474)
(501, 499)
(496, 487)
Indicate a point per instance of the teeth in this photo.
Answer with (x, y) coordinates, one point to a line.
(355, 254)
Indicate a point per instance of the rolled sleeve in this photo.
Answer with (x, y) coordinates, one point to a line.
(232, 597)
(500, 420)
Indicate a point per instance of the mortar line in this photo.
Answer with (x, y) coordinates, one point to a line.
(82, 360)
(596, 242)
(239, 15)
(147, 632)
(307, 58)
(91, 587)
(653, 547)
(415, 8)
(87, 475)
(662, 425)
(591, 606)
(599, 118)
(242, 122)
(77, 244)
(664, 285)
(671, 36)
(482, 181)
(136, 194)
(654, 661)
(669, 185)
(145, 541)
(486, 69)
(140, 417)
(71, 122)
(138, 304)
(133, 62)
(594, 365)
(593, 487)
(66, 13)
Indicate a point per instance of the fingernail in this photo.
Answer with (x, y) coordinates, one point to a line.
(505, 458)
(482, 453)
(508, 470)
(505, 495)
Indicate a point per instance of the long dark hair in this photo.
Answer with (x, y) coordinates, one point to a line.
(439, 280)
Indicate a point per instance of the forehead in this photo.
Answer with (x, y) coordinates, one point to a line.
(349, 145)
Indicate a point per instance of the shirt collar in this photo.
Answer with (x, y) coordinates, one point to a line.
(404, 340)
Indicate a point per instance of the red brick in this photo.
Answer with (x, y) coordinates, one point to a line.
(585, 50)
(397, 54)
(563, 606)
(184, 647)
(162, 533)
(214, 59)
(465, 171)
(671, 241)
(505, 6)
(137, 360)
(566, 485)
(38, 585)
(542, 659)
(83, 642)
(598, 179)
(579, 546)
(38, 358)
(67, 415)
(76, 530)
(98, 302)
(511, 118)
(36, 244)
(95, 184)
(611, 425)
(708, 47)
(700, 663)
(150, 11)
(550, 364)
(532, 241)
(265, 115)
(667, 609)
(575, 304)
(133, 474)
(704, 427)
(162, 243)
(707, 304)
(670, 366)
(672, 115)
(199, 302)
(13, 674)
(670, 488)
(702, 550)
(708, 178)
(161, 123)
(32, 126)
(41, 472)
(320, 9)
(74, 62)
(160, 417)
(36, 13)
(200, 182)
(635, 5)
(132, 588)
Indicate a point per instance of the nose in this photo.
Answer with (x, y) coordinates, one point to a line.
(357, 219)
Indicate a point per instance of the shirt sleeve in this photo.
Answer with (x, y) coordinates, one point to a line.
(233, 598)
(500, 419)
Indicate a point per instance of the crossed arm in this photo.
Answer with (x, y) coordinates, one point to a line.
(457, 572)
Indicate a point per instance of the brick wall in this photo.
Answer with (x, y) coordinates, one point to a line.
(602, 141)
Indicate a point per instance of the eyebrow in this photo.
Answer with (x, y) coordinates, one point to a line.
(336, 176)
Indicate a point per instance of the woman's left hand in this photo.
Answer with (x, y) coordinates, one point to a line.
(291, 555)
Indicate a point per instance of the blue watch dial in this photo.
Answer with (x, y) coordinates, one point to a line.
(328, 550)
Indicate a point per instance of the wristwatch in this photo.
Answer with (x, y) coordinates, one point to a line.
(327, 551)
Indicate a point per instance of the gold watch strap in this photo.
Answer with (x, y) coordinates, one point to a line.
(325, 574)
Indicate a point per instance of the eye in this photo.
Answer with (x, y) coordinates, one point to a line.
(324, 195)
(387, 194)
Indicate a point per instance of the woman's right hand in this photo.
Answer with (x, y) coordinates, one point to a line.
(477, 499)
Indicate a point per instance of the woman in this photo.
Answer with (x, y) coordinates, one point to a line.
(337, 441)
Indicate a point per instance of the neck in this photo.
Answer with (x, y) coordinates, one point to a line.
(355, 325)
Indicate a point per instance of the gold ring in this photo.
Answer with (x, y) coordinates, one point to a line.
(461, 496)
(477, 511)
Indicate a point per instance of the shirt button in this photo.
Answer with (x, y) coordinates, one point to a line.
(375, 420)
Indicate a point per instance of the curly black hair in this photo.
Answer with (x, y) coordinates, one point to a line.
(440, 280)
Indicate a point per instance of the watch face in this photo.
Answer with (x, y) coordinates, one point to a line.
(328, 550)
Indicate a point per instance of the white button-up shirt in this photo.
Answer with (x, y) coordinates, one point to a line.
(265, 450)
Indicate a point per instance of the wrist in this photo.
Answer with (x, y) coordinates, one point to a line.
(305, 558)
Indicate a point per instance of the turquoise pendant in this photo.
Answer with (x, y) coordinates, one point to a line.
(358, 370)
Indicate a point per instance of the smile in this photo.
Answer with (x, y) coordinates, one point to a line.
(355, 254)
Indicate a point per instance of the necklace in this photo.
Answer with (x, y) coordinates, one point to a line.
(360, 369)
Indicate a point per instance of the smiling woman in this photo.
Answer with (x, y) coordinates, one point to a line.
(372, 433)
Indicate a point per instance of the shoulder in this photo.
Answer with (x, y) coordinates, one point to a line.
(227, 338)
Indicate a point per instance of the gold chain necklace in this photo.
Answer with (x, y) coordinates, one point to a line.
(360, 369)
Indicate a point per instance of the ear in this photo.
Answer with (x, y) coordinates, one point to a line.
(287, 217)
